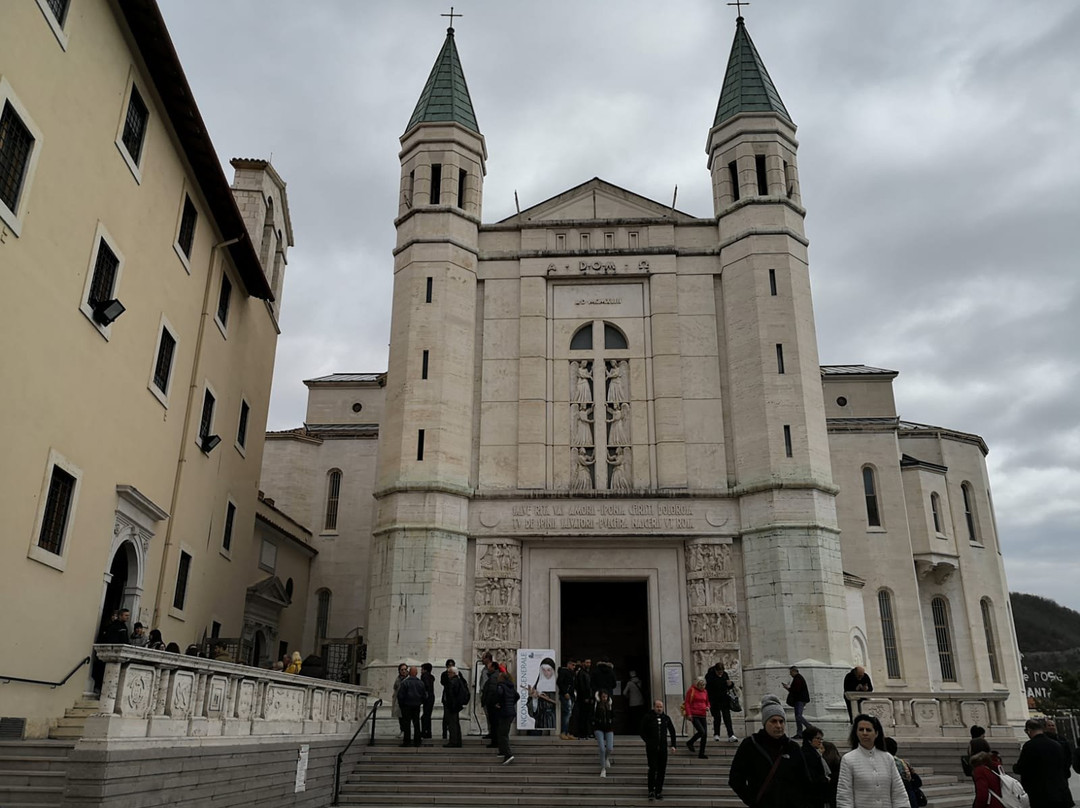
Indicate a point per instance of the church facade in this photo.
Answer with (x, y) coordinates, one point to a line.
(604, 430)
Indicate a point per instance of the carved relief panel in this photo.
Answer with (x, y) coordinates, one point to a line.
(711, 606)
(497, 598)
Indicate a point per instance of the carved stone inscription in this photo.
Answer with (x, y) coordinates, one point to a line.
(604, 516)
(497, 598)
(711, 606)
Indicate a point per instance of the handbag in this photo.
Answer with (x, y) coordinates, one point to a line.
(733, 701)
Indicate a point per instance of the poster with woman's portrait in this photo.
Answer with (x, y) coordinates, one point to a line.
(536, 682)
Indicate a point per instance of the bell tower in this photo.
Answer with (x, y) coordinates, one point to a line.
(772, 388)
(418, 561)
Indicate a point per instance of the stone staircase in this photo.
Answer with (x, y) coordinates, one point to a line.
(71, 726)
(33, 773)
(548, 772)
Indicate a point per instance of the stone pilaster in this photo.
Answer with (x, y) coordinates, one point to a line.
(712, 606)
(497, 598)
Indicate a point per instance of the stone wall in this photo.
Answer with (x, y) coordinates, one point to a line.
(226, 775)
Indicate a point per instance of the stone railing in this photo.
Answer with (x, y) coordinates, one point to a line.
(942, 714)
(156, 694)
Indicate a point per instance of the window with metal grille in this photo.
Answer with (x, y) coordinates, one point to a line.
(940, 611)
(873, 517)
(991, 643)
(322, 614)
(224, 297)
(333, 493)
(135, 125)
(888, 634)
(230, 517)
(241, 426)
(206, 421)
(183, 569)
(187, 227)
(59, 8)
(163, 365)
(935, 509)
(101, 285)
(16, 143)
(969, 512)
(57, 509)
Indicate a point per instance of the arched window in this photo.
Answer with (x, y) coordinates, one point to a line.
(935, 509)
(322, 615)
(969, 512)
(614, 339)
(333, 492)
(582, 339)
(873, 515)
(991, 643)
(888, 633)
(943, 634)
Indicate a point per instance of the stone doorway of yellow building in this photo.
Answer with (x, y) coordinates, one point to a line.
(608, 620)
(122, 591)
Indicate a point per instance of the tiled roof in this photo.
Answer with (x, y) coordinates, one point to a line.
(346, 377)
(912, 428)
(446, 95)
(341, 429)
(856, 370)
(747, 86)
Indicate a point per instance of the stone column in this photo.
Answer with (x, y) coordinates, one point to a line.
(497, 603)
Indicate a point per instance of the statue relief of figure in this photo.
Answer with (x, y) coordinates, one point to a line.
(581, 433)
(582, 377)
(698, 629)
(620, 473)
(582, 479)
(696, 592)
(619, 429)
(616, 381)
(693, 558)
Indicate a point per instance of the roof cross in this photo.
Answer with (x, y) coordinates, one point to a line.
(451, 15)
(738, 6)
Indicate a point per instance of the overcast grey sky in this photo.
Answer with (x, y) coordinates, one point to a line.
(938, 161)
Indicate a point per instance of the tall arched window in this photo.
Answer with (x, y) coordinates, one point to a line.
(869, 481)
(888, 633)
(333, 492)
(991, 643)
(322, 614)
(943, 634)
(969, 512)
(935, 509)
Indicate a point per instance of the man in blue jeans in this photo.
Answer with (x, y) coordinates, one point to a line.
(564, 681)
(797, 698)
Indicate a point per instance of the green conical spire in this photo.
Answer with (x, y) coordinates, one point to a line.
(747, 86)
(446, 95)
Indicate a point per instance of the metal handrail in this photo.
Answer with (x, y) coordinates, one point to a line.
(53, 685)
(341, 755)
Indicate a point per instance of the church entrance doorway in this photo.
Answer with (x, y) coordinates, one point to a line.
(114, 589)
(609, 620)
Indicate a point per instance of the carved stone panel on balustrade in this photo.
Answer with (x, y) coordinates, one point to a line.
(882, 709)
(497, 597)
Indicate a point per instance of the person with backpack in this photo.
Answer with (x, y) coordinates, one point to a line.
(454, 698)
(506, 697)
(769, 770)
(987, 781)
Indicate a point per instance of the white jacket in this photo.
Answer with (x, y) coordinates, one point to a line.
(869, 779)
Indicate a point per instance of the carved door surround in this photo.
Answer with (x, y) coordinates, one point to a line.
(497, 598)
(712, 606)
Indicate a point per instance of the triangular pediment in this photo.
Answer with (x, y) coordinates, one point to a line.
(269, 590)
(597, 200)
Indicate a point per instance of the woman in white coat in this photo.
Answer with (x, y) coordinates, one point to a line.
(868, 775)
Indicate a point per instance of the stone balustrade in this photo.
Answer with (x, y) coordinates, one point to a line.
(946, 714)
(156, 694)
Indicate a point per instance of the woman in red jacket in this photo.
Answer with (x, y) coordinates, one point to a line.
(696, 706)
(986, 781)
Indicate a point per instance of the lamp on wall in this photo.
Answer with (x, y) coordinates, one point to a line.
(209, 442)
(107, 311)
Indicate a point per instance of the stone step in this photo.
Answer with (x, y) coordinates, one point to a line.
(30, 777)
(38, 763)
(66, 733)
(31, 795)
(37, 747)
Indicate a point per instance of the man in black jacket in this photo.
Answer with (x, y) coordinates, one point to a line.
(488, 699)
(718, 686)
(1043, 768)
(583, 703)
(454, 698)
(798, 697)
(857, 680)
(769, 770)
(427, 678)
(656, 728)
(411, 695)
(444, 680)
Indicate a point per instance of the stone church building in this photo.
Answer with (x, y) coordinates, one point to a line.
(605, 430)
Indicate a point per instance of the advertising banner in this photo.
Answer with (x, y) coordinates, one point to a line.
(535, 676)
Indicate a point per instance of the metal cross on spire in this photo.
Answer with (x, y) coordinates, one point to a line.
(738, 6)
(451, 15)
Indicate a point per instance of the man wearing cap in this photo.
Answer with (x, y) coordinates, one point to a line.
(769, 770)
